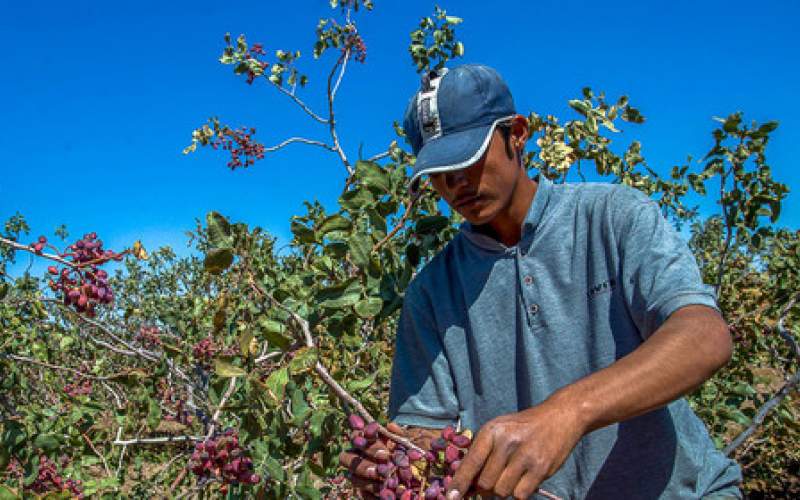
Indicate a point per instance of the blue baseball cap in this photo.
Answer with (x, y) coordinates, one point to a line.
(449, 122)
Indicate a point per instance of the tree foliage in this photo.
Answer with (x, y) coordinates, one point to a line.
(276, 348)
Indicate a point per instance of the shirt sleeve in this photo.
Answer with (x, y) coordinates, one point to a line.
(659, 271)
(422, 392)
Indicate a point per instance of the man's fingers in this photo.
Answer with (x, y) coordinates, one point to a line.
(527, 484)
(508, 480)
(357, 465)
(470, 466)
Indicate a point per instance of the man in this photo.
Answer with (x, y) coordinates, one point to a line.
(564, 322)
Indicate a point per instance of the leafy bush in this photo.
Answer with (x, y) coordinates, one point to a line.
(235, 372)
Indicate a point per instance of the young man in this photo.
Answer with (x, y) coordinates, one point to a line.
(564, 322)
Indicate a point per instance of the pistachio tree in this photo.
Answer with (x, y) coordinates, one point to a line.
(241, 370)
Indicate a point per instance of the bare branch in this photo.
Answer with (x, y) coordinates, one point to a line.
(158, 440)
(788, 387)
(379, 156)
(791, 383)
(225, 397)
(332, 120)
(302, 104)
(402, 221)
(341, 73)
(23, 359)
(299, 139)
(91, 445)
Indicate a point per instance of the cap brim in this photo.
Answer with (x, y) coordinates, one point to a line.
(454, 151)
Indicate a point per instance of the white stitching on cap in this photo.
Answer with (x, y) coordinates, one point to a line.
(467, 162)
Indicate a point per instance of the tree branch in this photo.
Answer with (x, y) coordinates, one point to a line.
(303, 105)
(225, 397)
(790, 384)
(332, 120)
(302, 140)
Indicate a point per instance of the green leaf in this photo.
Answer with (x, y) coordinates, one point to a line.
(227, 370)
(300, 407)
(218, 260)
(3, 290)
(245, 339)
(7, 493)
(303, 233)
(580, 106)
(273, 332)
(47, 442)
(360, 385)
(360, 249)
(304, 359)
(355, 199)
(219, 230)
(346, 300)
(153, 413)
(372, 175)
(276, 383)
(334, 223)
(431, 224)
(370, 307)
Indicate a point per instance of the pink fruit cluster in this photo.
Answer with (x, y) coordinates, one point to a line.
(49, 480)
(255, 51)
(412, 474)
(78, 388)
(149, 336)
(243, 148)
(83, 285)
(38, 245)
(204, 351)
(223, 459)
(358, 49)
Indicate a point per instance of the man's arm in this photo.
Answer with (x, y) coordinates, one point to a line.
(683, 353)
(513, 454)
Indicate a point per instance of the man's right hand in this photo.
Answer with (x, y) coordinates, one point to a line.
(362, 464)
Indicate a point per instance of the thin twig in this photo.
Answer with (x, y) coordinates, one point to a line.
(791, 383)
(332, 120)
(158, 440)
(214, 419)
(23, 359)
(341, 73)
(91, 445)
(379, 156)
(302, 140)
(303, 105)
(401, 222)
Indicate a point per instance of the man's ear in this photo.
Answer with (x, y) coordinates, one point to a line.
(519, 133)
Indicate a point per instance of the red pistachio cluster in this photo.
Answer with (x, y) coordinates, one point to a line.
(148, 336)
(255, 51)
(243, 148)
(411, 474)
(49, 480)
(78, 388)
(83, 285)
(358, 49)
(221, 458)
(204, 351)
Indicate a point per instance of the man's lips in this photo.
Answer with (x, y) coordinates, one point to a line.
(463, 201)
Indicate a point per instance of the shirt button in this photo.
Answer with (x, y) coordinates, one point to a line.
(533, 308)
(528, 280)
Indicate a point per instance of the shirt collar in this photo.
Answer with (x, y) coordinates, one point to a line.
(529, 225)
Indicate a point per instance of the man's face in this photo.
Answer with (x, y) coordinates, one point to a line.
(480, 191)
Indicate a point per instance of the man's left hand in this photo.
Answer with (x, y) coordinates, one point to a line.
(513, 454)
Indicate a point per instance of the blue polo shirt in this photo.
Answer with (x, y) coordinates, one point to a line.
(488, 330)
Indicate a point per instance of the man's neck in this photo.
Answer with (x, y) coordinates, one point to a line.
(507, 226)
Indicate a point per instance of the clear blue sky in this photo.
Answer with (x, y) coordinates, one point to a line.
(99, 98)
